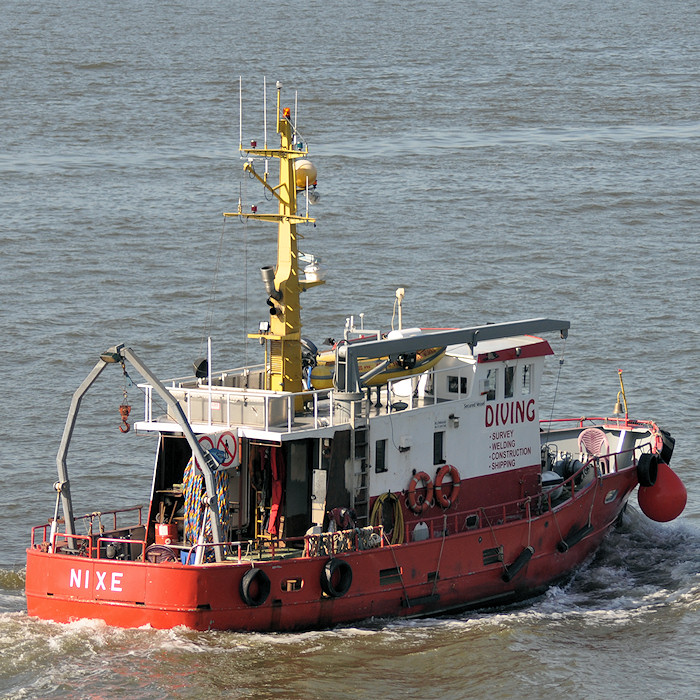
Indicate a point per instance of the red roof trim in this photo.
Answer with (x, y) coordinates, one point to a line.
(539, 349)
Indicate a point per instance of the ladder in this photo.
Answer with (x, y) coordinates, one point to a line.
(262, 513)
(360, 457)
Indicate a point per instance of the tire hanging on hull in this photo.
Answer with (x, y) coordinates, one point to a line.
(574, 538)
(520, 561)
(647, 469)
(255, 587)
(343, 579)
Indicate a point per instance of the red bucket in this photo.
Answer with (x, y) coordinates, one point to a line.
(166, 533)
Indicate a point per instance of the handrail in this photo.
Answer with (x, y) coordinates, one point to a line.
(616, 421)
(235, 371)
(320, 415)
(233, 398)
(433, 372)
(114, 513)
(495, 515)
(337, 540)
(315, 545)
(91, 516)
(118, 540)
(501, 513)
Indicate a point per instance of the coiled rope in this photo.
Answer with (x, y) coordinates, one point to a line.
(377, 516)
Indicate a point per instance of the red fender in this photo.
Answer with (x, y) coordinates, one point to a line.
(666, 499)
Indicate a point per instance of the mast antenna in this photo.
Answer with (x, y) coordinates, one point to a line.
(294, 135)
(240, 112)
(265, 108)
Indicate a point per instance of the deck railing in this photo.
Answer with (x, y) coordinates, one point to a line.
(94, 545)
(256, 408)
(278, 411)
(41, 534)
(495, 516)
(617, 422)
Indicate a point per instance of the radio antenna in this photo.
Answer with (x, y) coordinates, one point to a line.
(240, 113)
(265, 107)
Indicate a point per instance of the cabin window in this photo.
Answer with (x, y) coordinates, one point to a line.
(508, 384)
(380, 456)
(526, 386)
(457, 385)
(438, 448)
(488, 384)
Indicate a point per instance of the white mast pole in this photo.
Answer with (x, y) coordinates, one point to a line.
(294, 136)
(265, 107)
(265, 118)
(209, 374)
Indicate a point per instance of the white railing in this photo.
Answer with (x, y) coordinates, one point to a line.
(427, 385)
(274, 411)
(279, 411)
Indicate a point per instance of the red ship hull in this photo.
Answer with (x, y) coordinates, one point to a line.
(442, 574)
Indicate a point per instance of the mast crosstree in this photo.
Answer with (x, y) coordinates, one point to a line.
(284, 366)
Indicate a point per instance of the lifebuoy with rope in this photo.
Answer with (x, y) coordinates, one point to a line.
(417, 502)
(336, 577)
(447, 499)
(255, 587)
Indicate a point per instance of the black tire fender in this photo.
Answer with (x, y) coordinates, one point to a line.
(262, 580)
(344, 578)
(668, 444)
(647, 468)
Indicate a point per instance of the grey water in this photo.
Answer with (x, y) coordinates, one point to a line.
(498, 160)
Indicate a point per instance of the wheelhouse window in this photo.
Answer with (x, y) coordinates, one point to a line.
(457, 385)
(509, 382)
(380, 456)
(488, 384)
(526, 385)
(438, 447)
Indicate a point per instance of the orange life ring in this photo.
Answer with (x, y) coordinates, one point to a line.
(417, 502)
(444, 499)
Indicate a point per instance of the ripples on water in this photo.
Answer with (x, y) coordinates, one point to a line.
(638, 587)
(499, 161)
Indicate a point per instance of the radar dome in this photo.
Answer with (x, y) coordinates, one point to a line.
(305, 170)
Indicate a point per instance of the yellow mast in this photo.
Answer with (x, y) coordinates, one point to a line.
(284, 336)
